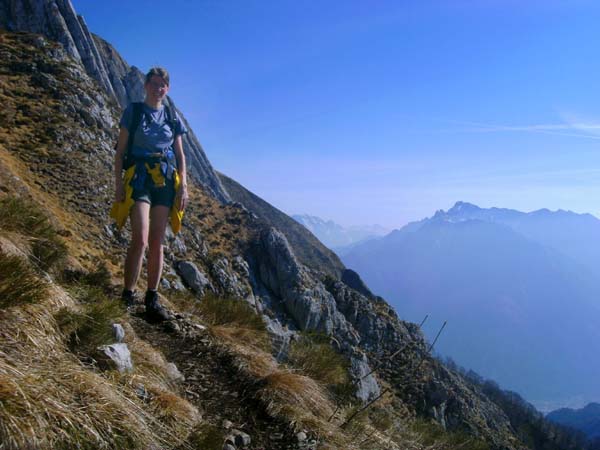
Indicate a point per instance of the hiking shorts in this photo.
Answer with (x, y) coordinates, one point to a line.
(153, 195)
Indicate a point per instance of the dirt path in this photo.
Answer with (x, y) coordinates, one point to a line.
(214, 386)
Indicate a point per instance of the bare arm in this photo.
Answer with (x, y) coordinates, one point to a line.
(182, 194)
(121, 147)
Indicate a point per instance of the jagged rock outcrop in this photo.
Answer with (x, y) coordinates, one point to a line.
(231, 281)
(305, 299)
(367, 386)
(375, 321)
(306, 246)
(297, 301)
(351, 279)
(57, 20)
(456, 405)
(194, 277)
(127, 81)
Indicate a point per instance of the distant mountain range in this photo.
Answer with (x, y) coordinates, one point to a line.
(337, 237)
(585, 419)
(520, 292)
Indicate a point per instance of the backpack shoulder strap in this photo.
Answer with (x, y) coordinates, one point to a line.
(171, 118)
(136, 118)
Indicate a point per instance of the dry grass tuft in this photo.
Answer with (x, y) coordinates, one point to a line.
(57, 404)
(294, 397)
(432, 436)
(49, 400)
(299, 392)
(303, 403)
(149, 362)
(27, 218)
(20, 285)
(231, 312)
(315, 357)
(171, 409)
(251, 347)
(90, 328)
(100, 277)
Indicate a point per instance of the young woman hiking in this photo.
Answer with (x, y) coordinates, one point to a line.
(154, 187)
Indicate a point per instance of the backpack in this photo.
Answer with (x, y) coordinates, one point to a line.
(136, 118)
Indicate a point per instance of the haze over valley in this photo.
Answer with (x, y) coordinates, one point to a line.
(519, 292)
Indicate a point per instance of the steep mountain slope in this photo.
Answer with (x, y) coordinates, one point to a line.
(57, 130)
(306, 246)
(504, 296)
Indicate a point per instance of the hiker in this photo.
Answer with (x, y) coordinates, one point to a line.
(154, 188)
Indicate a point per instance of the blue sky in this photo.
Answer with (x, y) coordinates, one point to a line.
(381, 111)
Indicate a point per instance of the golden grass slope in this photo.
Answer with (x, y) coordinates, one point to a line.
(49, 398)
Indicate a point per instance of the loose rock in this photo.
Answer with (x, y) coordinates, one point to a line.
(301, 436)
(241, 439)
(173, 373)
(117, 356)
(172, 327)
(118, 332)
(193, 277)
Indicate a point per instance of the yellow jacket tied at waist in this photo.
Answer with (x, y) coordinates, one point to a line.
(120, 210)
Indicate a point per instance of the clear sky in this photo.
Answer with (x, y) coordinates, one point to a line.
(381, 111)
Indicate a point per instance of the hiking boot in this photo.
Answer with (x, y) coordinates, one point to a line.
(128, 298)
(155, 312)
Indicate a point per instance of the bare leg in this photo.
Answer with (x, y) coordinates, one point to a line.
(139, 241)
(159, 216)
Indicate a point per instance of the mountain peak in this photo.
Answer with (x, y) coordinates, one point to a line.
(462, 207)
(459, 212)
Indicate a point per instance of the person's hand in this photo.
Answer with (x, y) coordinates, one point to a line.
(119, 193)
(182, 197)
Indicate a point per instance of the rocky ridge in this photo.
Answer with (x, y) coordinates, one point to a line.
(307, 248)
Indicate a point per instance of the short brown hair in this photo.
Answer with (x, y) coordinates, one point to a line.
(158, 71)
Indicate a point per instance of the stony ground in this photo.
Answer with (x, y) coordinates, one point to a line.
(214, 385)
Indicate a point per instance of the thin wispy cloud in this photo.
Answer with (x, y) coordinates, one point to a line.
(589, 130)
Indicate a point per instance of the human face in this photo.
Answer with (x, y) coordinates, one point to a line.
(156, 89)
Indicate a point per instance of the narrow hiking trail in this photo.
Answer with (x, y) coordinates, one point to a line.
(214, 385)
